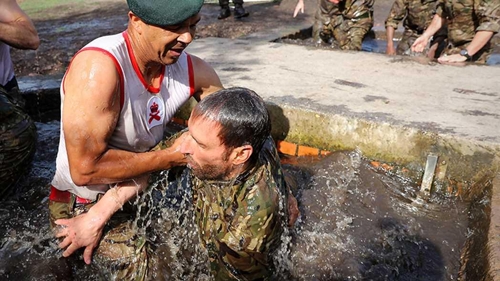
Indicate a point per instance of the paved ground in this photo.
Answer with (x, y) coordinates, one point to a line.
(460, 101)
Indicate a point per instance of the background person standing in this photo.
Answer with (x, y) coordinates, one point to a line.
(225, 11)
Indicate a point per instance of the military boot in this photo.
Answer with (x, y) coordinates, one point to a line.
(239, 12)
(224, 12)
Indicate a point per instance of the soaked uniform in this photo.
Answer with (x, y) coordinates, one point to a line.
(145, 111)
(465, 18)
(240, 223)
(417, 16)
(17, 130)
(347, 22)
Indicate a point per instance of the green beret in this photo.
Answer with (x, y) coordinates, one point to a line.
(164, 12)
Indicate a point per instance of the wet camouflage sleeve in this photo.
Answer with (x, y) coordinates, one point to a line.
(490, 12)
(240, 224)
(17, 139)
(465, 18)
(417, 14)
(397, 14)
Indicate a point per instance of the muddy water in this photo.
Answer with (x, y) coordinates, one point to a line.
(356, 223)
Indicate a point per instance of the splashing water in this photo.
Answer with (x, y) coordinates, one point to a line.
(356, 223)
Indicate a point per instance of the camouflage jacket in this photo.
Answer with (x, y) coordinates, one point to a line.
(348, 9)
(417, 14)
(466, 17)
(241, 222)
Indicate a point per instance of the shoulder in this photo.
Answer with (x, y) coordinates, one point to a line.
(206, 80)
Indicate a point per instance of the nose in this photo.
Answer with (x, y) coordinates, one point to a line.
(186, 37)
(185, 147)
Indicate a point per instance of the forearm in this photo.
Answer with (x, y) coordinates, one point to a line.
(118, 165)
(436, 24)
(116, 197)
(390, 35)
(19, 34)
(478, 42)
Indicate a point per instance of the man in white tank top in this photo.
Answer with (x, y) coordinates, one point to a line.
(17, 129)
(117, 95)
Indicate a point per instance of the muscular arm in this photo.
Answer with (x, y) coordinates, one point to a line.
(206, 80)
(16, 28)
(90, 113)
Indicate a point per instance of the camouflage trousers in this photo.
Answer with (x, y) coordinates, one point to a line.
(122, 252)
(347, 34)
(18, 138)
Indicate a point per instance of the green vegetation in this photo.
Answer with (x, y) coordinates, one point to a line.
(37, 9)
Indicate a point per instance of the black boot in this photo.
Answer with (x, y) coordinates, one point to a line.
(239, 12)
(224, 12)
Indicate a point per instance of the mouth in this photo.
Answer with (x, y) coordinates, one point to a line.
(176, 52)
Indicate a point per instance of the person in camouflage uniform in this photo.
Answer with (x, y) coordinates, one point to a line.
(417, 16)
(345, 21)
(239, 191)
(471, 25)
(17, 139)
(17, 130)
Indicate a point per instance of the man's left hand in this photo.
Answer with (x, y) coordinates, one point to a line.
(452, 59)
(81, 231)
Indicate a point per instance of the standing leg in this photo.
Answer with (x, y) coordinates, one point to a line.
(239, 11)
(224, 9)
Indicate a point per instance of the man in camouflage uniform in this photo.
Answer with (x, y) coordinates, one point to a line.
(239, 190)
(346, 21)
(417, 16)
(17, 139)
(471, 25)
(17, 130)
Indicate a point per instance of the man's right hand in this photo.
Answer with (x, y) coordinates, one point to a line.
(420, 44)
(299, 7)
(82, 231)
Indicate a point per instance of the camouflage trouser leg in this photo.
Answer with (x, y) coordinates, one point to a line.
(18, 137)
(349, 34)
(121, 254)
(320, 30)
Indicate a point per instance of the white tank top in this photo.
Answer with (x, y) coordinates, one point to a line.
(145, 110)
(6, 66)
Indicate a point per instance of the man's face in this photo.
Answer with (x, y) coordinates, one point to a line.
(167, 43)
(207, 157)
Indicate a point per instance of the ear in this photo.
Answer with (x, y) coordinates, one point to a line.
(241, 154)
(135, 22)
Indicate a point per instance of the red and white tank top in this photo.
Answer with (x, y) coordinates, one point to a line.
(145, 110)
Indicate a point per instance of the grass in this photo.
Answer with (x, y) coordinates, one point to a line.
(51, 9)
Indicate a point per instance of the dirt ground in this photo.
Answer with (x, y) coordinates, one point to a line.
(64, 30)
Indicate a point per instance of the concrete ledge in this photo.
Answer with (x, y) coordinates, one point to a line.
(494, 232)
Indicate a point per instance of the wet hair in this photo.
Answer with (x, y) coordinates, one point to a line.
(241, 115)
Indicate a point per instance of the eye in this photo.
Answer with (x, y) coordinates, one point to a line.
(173, 28)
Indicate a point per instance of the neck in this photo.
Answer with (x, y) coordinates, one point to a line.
(149, 68)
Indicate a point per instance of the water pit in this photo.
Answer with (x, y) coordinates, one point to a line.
(363, 217)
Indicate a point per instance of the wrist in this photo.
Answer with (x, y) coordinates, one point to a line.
(465, 53)
(98, 217)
